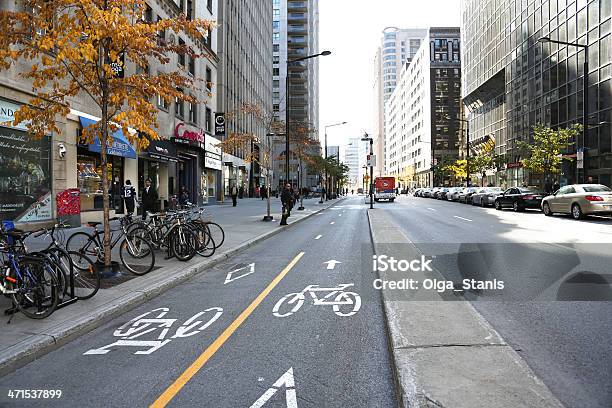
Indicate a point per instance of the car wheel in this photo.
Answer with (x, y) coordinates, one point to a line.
(577, 212)
(483, 203)
(546, 210)
(498, 205)
(517, 206)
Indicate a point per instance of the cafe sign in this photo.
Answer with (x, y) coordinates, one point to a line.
(185, 136)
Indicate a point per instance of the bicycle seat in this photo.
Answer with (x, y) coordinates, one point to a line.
(93, 224)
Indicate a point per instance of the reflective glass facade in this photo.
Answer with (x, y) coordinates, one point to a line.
(512, 82)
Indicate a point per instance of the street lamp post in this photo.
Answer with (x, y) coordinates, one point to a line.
(585, 98)
(288, 105)
(326, 181)
(367, 138)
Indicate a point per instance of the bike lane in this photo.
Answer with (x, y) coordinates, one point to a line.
(333, 360)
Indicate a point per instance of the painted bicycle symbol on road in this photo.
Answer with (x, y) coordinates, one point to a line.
(343, 303)
(153, 325)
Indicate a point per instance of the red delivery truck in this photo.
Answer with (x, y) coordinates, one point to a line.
(384, 188)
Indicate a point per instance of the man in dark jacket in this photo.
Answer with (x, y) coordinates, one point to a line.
(287, 201)
(149, 199)
(129, 197)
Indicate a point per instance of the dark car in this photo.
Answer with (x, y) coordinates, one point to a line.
(519, 198)
(466, 195)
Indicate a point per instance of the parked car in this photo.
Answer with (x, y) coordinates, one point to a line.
(465, 196)
(487, 198)
(478, 194)
(441, 193)
(579, 200)
(425, 193)
(519, 199)
(453, 193)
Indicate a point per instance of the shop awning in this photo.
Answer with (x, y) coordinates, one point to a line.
(121, 146)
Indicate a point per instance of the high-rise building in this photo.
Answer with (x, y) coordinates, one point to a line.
(511, 81)
(245, 77)
(423, 113)
(295, 35)
(397, 47)
(354, 157)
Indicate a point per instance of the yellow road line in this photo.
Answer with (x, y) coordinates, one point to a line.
(193, 369)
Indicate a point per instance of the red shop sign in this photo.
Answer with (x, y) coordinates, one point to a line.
(181, 133)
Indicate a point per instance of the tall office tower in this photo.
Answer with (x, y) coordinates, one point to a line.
(423, 113)
(245, 77)
(296, 35)
(512, 81)
(353, 156)
(397, 47)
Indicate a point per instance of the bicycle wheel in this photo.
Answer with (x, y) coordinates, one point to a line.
(183, 243)
(37, 289)
(61, 262)
(136, 254)
(216, 233)
(85, 275)
(206, 245)
(83, 243)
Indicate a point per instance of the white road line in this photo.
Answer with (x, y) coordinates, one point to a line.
(339, 215)
(332, 223)
(318, 236)
(431, 209)
(461, 218)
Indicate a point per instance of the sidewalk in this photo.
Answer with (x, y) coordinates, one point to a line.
(445, 354)
(24, 340)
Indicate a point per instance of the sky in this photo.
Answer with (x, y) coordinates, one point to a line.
(352, 31)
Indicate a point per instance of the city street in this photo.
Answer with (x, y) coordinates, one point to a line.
(239, 334)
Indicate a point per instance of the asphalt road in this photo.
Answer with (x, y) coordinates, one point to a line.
(556, 307)
(220, 340)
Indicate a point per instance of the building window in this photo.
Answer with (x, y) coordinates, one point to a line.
(162, 103)
(193, 113)
(148, 14)
(181, 55)
(208, 79)
(276, 48)
(208, 120)
(190, 10)
(275, 71)
(192, 66)
(209, 5)
(179, 109)
(161, 35)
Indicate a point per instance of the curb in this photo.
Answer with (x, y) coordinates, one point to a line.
(38, 345)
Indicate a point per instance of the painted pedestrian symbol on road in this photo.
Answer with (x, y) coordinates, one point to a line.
(285, 381)
(344, 303)
(239, 273)
(149, 334)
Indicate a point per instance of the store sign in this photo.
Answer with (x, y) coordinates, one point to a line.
(7, 114)
(212, 146)
(25, 177)
(212, 163)
(514, 165)
(186, 136)
(162, 150)
(220, 124)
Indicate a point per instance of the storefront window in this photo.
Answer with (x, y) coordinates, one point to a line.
(25, 177)
(89, 179)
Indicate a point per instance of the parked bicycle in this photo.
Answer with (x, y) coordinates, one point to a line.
(135, 251)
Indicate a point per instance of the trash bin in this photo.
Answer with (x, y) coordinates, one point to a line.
(69, 207)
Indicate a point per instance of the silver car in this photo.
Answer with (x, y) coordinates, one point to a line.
(579, 200)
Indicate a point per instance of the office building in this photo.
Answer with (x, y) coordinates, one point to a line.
(422, 115)
(511, 81)
(245, 77)
(397, 47)
(295, 35)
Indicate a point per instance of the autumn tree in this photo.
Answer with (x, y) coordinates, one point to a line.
(76, 48)
(545, 152)
(244, 141)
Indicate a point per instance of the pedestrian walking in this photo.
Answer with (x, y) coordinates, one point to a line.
(129, 197)
(149, 199)
(287, 201)
(234, 194)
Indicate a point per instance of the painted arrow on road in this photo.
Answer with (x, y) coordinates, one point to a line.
(286, 381)
(331, 264)
(230, 276)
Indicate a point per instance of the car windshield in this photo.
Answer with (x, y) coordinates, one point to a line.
(529, 191)
(596, 188)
